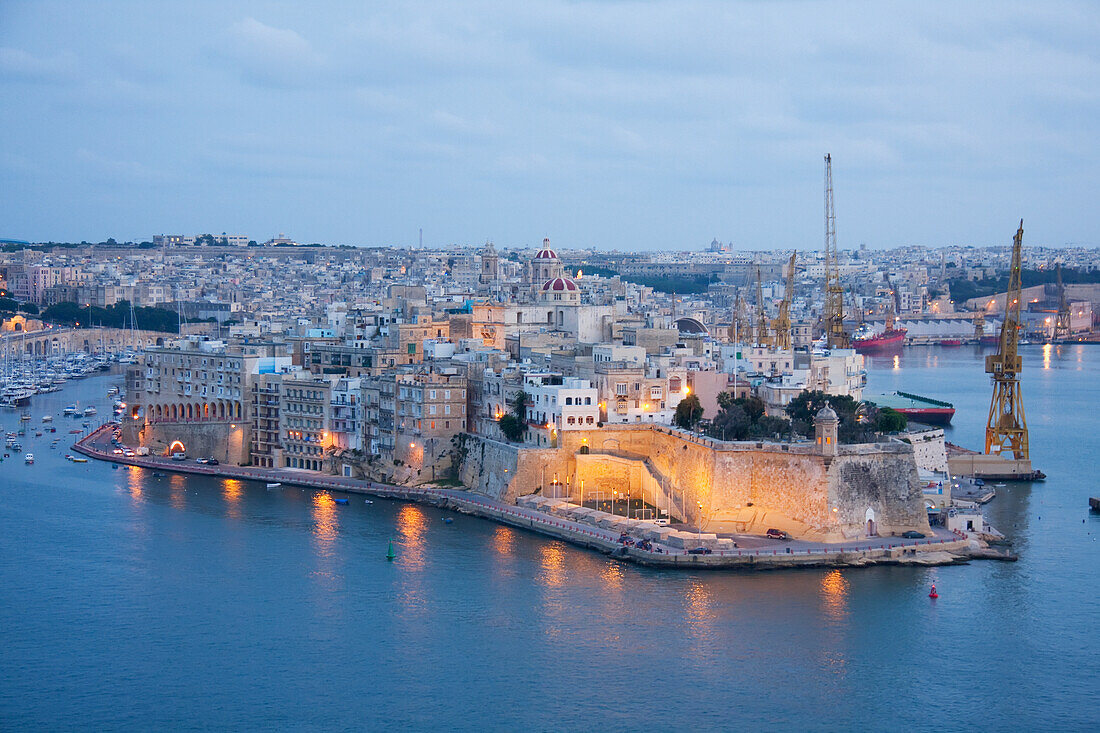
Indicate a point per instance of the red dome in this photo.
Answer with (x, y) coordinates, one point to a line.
(559, 283)
(546, 253)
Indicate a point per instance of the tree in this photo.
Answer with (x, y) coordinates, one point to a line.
(512, 428)
(688, 412)
(889, 420)
(731, 422)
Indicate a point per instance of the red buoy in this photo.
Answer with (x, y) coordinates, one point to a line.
(933, 593)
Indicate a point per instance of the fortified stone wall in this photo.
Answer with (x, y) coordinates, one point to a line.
(200, 440)
(718, 486)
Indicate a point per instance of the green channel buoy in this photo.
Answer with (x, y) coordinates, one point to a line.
(390, 554)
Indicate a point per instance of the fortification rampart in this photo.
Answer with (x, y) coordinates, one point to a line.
(715, 485)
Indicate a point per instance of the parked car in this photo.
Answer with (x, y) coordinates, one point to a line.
(700, 551)
(179, 456)
(211, 461)
(778, 534)
(913, 535)
(202, 460)
(128, 453)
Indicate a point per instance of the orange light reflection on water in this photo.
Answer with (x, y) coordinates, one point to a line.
(551, 572)
(503, 537)
(231, 490)
(177, 491)
(1047, 349)
(326, 526)
(135, 485)
(834, 595)
(411, 525)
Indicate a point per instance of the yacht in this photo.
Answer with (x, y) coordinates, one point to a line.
(28, 458)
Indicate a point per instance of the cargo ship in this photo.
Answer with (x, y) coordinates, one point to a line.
(867, 341)
(916, 408)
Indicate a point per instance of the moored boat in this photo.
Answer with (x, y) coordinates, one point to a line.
(915, 407)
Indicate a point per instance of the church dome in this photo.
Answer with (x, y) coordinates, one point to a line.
(546, 253)
(559, 284)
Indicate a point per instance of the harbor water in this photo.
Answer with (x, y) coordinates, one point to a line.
(135, 601)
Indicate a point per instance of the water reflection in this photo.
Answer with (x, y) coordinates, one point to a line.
(834, 601)
(897, 362)
(834, 595)
(503, 537)
(177, 491)
(411, 525)
(551, 572)
(1047, 349)
(135, 484)
(231, 490)
(326, 526)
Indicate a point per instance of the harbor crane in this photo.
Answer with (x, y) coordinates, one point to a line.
(1061, 321)
(835, 335)
(781, 325)
(762, 337)
(1006, 430)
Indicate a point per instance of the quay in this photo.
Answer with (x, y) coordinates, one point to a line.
(943, 548)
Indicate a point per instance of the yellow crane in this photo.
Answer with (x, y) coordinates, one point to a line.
(781, 326)
(1006, 430)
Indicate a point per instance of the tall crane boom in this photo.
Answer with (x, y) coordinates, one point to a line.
(1006, 429)
(762, 338)
(1062, 320)
(835, 335)
(781, 326)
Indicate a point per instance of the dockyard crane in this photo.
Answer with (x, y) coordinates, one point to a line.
(1006, 430)
(781, 326)
(835, 335)
(894, 307)
(762, 338)
(1061, 321)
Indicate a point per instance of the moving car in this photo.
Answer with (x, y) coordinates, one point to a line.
(700, 551)
(913, 535)
(778, 534)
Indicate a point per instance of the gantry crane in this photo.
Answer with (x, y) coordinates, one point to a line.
(762, 338)
(835, 335)
(1006, 431)
(1061, 321)
(781, 326)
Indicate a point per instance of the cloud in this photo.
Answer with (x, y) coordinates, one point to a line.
(270, 56)
(19, 65)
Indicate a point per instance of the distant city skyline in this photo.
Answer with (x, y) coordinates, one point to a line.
(627, 126)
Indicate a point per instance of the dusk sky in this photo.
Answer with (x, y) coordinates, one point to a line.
(628, 125)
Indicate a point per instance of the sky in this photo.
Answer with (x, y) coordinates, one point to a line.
(637, 126)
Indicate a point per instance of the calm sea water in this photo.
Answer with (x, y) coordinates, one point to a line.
(136, 602)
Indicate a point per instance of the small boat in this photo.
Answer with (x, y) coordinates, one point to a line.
(448, 520)
(999, 486)
(70, 410)
(89, 411)
(79, 459)
(341, 501)
(158, 474)
(274, 485)
(75, 431)
(28, 459)
(47, 418)
(367, 501)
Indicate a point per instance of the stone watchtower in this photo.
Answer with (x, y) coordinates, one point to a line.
(826, 424)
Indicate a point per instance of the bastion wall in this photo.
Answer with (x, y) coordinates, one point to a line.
(716, 485)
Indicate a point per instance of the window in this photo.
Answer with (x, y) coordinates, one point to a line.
(655, 393)
(568, 400)
(620, 389)
(589, 420)
(588, 400)
(412, 349)
(431, 394)
(572, 420)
